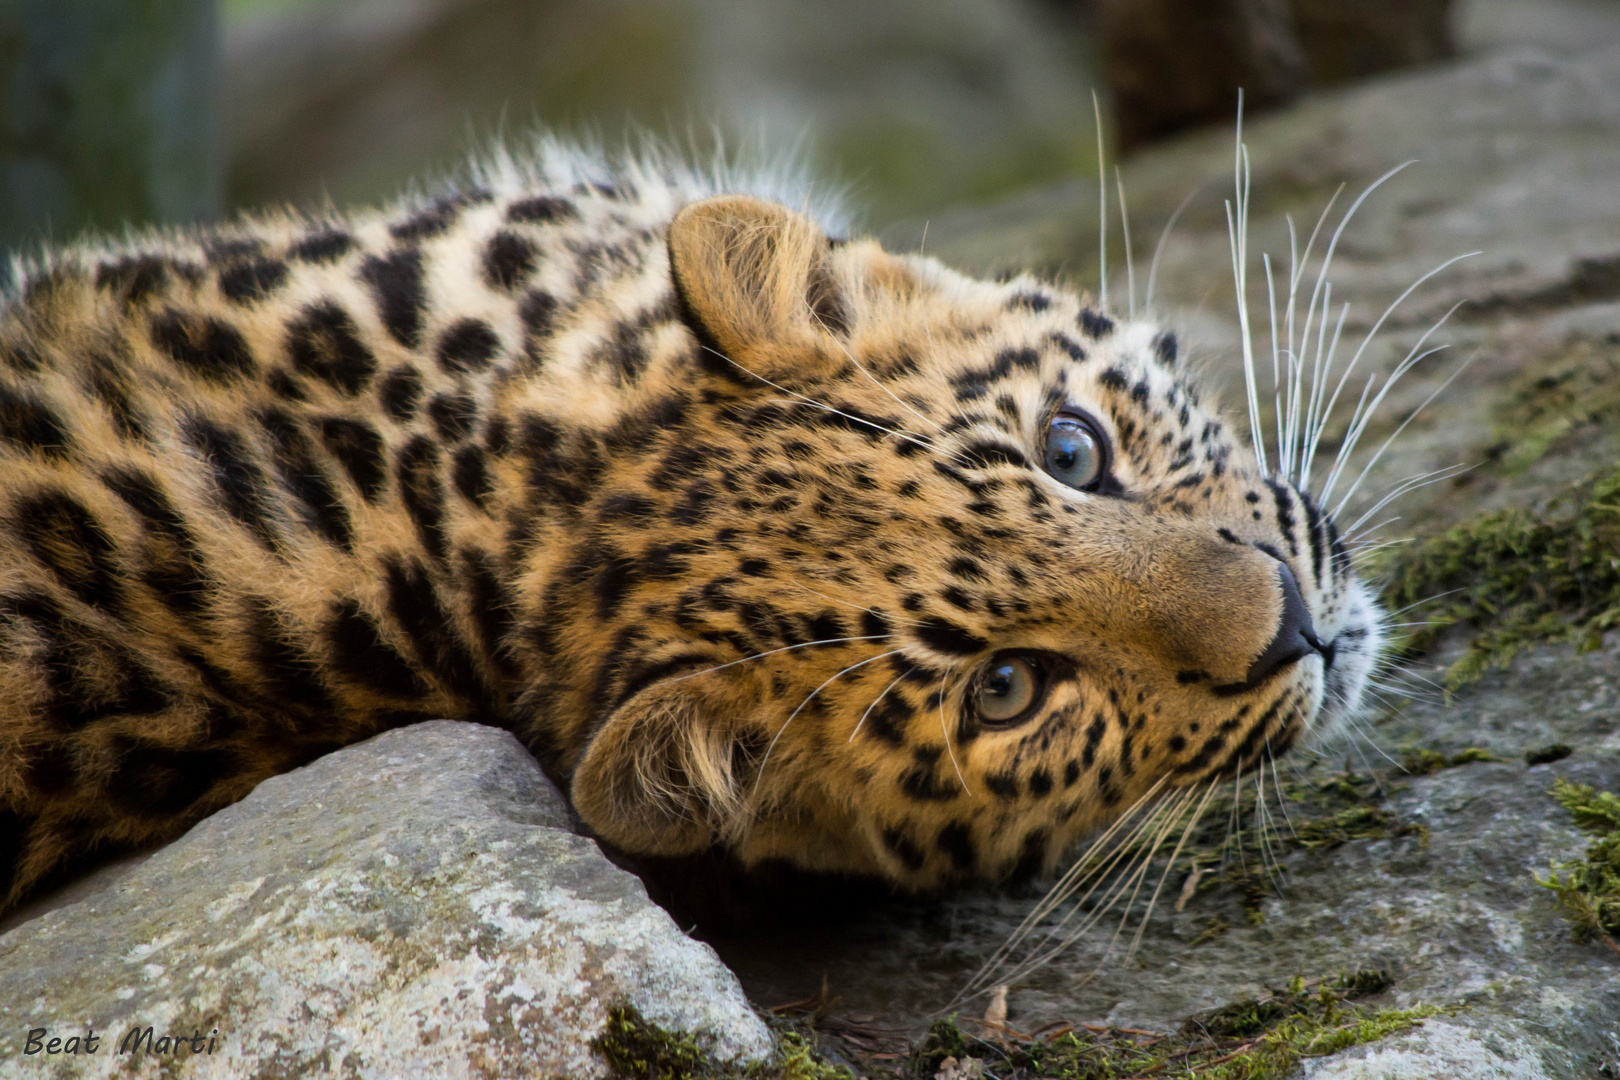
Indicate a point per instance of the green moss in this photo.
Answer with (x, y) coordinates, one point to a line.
(1517, 577)
(636, 1049)
(1248, 1040)
(1589, 887)
(1429, 762)
(1554, 400)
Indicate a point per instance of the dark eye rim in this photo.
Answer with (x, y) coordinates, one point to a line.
(1104, 484)
(1043, 666)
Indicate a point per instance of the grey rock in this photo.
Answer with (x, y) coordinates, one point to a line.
(414, 905)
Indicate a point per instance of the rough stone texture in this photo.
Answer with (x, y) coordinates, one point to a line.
(411, 906)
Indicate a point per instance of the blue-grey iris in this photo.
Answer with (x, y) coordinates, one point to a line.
(1074, 452)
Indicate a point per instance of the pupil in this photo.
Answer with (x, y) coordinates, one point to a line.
(1066, 458)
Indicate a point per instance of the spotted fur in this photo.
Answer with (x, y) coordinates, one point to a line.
(721, 517)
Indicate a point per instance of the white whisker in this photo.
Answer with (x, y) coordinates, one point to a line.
(760, 774)
(1125, 228)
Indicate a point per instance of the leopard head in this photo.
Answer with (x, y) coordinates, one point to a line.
(928, 576)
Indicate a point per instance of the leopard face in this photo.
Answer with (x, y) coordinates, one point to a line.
(947, 574)
(794, 549)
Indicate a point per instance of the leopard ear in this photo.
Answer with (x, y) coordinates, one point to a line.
(659, 778)
(757, 285)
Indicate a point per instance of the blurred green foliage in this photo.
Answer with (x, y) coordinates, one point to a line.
(108, 115)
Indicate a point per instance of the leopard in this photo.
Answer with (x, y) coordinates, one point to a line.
(764, 540)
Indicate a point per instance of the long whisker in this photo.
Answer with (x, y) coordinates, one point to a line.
(770, 652)
(1192, 823)
(1125, 227)
(945, 732)
(859, 724)
(760, 774)
(1090, 864)
(1164, 235)
(875, 381)
(1102, 204)
(817, 404)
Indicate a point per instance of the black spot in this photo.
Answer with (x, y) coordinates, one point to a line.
(207, 347)
(922, 782)
(468, 345)
(508, 259)
(360, 654)
(253, 280)
(285, 385)
(29, 424)
(1026, 301)
(325, 246)
(874, 624)
(359, 449)
(1003, 785)
(490, 604)
(325, 343)
(471, 476)
(887, 719)
(910, 856)
(1113, 379)
(174, 563)
(1040, 783)
(542, 210)
(156, 781)
(538, 312)
(291, 677)
(415, 605)
(616, 577)
(432, 220)
(396, 286)
(1095, 324)
(1071, 773)
(984, 455)
(239, 480)
(946, 637)
(68, 540)
(956, 840)
(416, 469)
(452, 415)
(133, 278)
(401, 393)
(318, 504)
(1166, 348)
(754, 567)
(1031, 857)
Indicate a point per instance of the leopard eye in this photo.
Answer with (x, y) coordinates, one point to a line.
(1009, 690)
(1075, 451)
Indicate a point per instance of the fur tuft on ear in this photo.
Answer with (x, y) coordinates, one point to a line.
(756, 281)
(660, 777)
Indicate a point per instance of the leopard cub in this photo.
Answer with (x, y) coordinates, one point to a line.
(765, 543)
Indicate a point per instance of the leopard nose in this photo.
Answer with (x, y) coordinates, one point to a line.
(1296, 634)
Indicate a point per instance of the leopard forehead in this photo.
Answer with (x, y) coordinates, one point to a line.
(725, 520)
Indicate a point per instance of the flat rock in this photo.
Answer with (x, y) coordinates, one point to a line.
(415, 905)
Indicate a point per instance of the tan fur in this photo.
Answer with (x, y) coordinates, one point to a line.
(723, 518)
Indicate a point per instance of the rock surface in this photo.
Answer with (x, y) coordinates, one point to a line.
(412, 906)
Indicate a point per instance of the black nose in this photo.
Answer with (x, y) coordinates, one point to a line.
(1296, 634)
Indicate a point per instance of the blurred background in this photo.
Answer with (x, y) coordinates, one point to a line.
(167, 111)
